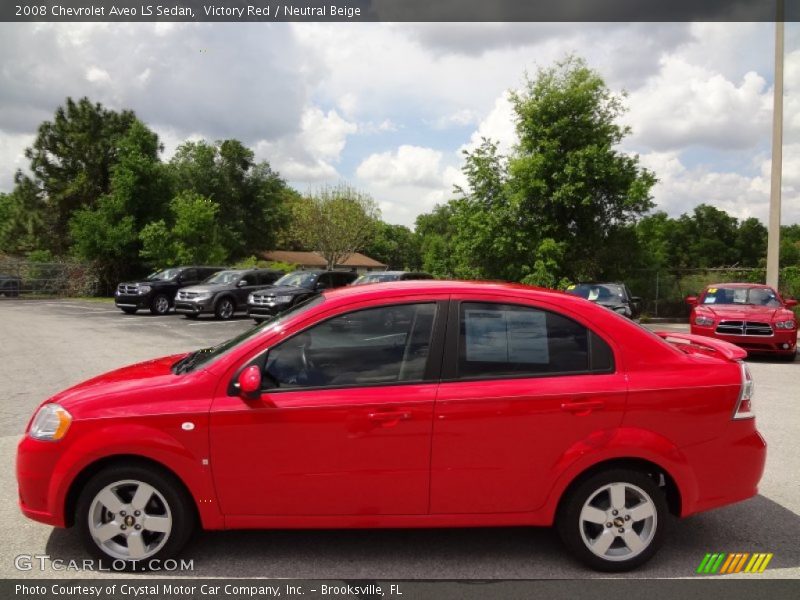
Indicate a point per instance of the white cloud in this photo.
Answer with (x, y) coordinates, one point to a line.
(97, 75)
(12, 156)
(499, 125)
(324, 134)
(408, 165)
(686, 105)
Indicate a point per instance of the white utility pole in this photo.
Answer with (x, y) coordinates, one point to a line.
(774, 235)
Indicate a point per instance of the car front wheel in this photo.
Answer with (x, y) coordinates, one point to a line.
(614, 520)
(160, 305)
(135, 514)
(224, 309)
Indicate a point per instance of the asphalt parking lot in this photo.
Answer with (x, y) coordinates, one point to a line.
(46, 346)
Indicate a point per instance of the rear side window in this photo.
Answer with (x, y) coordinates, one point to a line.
(268, 277)
(189, 275)
(497, 340)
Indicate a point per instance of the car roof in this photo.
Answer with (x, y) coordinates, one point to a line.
(448, 286)
(738, 285)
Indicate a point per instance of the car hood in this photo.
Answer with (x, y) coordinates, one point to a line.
(282, 290)
(746, 312)
(119, 387)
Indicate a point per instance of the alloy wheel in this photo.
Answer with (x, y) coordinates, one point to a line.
(618, 521)
(130, 520)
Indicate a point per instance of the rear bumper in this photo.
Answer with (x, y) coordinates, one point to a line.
(780, 342)
(727, 469)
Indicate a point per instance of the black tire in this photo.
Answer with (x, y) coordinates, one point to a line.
(129, 311)
(577, 534)
(181, 510)
(224, 308)
(258, 320)
(159, 305)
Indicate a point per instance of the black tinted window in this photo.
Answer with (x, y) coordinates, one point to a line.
(368, 347)
(250, 279)
(266, 277)
(189, 275)
(505, 339)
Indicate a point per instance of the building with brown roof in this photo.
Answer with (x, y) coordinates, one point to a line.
(314, 260)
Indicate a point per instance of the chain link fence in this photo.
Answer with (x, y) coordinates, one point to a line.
(24, 278)
(663, 291)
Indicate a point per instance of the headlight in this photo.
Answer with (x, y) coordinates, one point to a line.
(282, 299)
(703, 321)
(250, 299)
(202, 297)
(790, 324)
(143, 289)
(50, 423)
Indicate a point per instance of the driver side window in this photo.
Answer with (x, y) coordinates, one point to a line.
(368, 347)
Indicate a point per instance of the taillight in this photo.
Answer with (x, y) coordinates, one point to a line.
(744, 406)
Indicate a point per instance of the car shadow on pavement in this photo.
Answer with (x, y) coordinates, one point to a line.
(757, 525)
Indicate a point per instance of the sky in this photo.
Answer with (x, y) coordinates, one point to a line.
(390, 107)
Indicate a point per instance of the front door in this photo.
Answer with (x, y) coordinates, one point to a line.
(345, 428)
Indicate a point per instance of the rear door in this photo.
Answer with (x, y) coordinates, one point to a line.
(521, 385)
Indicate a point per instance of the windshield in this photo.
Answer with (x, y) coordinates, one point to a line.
(597, 292)
(224, 277)
(206, 355)
(164, 275)
(755, 296)
(376, 278)
(298, 279)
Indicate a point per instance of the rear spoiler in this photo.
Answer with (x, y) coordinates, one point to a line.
(703, 345)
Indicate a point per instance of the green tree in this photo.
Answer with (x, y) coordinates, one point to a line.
(751, 242)
(22, 218)
(564, 192)
(434, 231)
(394, 245)
(338, 221)
(71, 161)
(108, 233)
(250, 195)
(194, 237)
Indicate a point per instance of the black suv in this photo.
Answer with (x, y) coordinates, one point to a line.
(224, 292)
(157, 291)
(384, 276)
(10, 285)
(293, 288)
(614, 296)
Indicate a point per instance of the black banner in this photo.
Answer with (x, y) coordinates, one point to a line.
(267, 589)
(398, 10)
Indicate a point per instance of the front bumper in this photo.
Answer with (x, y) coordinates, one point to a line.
(263, 311)
(190, 307)
(782, 342)
(130, 301)
(37, 472)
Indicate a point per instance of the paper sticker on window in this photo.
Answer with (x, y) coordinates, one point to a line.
(506, 336)
(712, 290)
(594, 293)
(571, 287)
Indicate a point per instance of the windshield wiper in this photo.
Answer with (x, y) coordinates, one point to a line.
(188, 362)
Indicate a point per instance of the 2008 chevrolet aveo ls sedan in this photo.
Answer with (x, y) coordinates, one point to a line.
(412, 404)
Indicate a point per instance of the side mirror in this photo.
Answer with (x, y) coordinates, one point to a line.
(249, 383)
(321, 286)
(790, 302)
(241, 283)
(691, 300)
(636, 299)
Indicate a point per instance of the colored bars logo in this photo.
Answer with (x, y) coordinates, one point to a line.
(735, 562)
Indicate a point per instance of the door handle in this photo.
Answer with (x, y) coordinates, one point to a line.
(582, 408)
(389, 417)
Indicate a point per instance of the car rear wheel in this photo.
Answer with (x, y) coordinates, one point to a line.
(134, 513)
(614, 520)
(224, 309)
(129, 311)
(160, 305)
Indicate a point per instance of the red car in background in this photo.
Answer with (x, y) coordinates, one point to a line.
(410, 404)
(752, 316)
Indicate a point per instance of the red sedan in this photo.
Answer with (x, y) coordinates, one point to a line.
(754, 317)
(411, 404)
